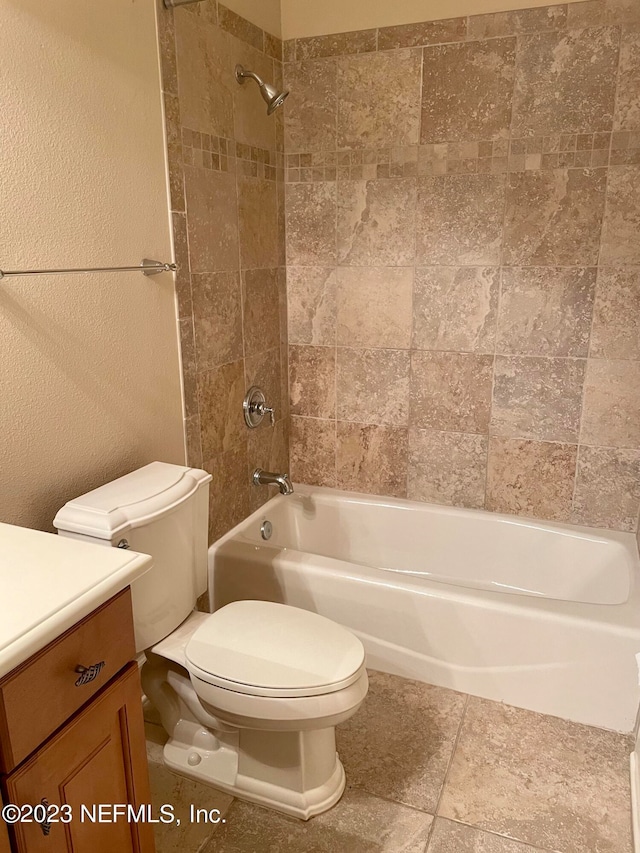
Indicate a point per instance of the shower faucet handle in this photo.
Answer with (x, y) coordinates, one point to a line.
(255, 408)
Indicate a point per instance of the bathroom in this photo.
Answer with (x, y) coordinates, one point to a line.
(428, 260)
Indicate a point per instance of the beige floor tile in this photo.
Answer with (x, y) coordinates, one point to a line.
(399, 744)
(359, 823)
(181, 794)
(450, 837)
(541, 780)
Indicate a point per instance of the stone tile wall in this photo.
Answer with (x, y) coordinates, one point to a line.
(227, 200)
(463, 261)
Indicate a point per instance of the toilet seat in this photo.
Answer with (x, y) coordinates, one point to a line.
(260, 648)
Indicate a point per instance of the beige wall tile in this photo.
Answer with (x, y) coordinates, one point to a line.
(376, 222)
(212, 220)
(258, 218)
(620, 244)
(459, 220)
(312, 106)
(447, 468)
(455, 308)
(312, 381)
(467, 91)
(627, 115)
(183, 277)
(229, 490)
(374, 306)
(595, 12)
(558, 801)
(530, 478)
(313, 451)
(261, 311)
(415, 35)
(217, 318)
(379, 99)
(240, 27)
(194, 446)
(546, 311)
(554, 217)
(372, 459)
(518, 21)
(311, 297)
(167, 45)
(451, 391)
(372, 386)
(611, 409)
(336, 44)
(189, 367)
(205, 86)
(537, 398)
(220, 395)
(311, 224)
(607, 488)
(616, 315)
(566, 82)
(263, 370)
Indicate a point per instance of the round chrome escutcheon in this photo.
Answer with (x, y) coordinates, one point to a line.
(266, 530)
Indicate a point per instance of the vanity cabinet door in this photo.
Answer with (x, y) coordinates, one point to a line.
(99, 757)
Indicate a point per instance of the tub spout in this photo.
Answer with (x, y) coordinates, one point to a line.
(266, 478)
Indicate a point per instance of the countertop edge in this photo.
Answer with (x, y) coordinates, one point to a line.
(34, 640)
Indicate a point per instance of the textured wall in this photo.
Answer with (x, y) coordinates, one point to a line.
(301, 18)
(463, 261)
(89, 375)
(226, 176)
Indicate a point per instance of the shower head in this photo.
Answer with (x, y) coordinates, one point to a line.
(270, 94)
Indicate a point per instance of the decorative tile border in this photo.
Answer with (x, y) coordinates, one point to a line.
(559, 151)
(207, 151)
(225, 155)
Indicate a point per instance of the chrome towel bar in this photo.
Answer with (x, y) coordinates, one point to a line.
(147, 267)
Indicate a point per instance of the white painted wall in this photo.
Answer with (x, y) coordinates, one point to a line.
(305, 18)
(89, 367)
(263, 13)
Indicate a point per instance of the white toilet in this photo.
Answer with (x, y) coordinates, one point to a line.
(250, 694)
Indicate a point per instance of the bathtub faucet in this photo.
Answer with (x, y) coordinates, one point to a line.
(266, 478)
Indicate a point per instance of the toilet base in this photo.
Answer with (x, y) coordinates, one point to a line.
(214, 769)
(294, 771)
(297, 773)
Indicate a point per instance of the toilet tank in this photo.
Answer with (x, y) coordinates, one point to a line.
(161, 510)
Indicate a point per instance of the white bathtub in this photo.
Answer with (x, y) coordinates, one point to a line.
(541, 616)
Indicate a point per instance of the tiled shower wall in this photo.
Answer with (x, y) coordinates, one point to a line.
(463, 261)
(226, 184)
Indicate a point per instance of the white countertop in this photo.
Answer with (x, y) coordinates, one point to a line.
(50, 582)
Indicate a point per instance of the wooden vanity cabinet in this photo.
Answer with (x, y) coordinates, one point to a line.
(93, 749)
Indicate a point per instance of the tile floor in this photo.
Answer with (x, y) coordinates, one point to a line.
(430, 770)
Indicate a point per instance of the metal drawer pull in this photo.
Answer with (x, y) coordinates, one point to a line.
(89, 673)
(45, 824)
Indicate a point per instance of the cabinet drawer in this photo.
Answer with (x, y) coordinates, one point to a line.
(39, 696)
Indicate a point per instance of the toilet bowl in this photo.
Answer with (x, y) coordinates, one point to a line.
(249, 695)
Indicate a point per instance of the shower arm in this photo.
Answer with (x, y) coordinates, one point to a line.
(242, 74)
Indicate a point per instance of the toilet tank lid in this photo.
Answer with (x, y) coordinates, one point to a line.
(137, 498)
